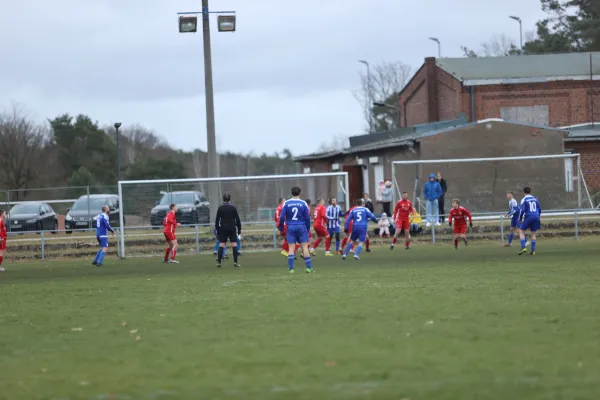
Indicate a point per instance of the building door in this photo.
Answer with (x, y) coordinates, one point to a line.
(378, 177)
(569, 174)
(355, 181)
(365, 172)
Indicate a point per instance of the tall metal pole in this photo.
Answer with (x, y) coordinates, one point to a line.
(439, 45)
(518, 19)
(369, 94)
(213, 166)
(118, 157)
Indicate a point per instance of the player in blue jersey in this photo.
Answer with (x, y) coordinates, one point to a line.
(333, 213)
(295, 214)
(514, 213)
(359, 216)
(102, 229)
(531, 210)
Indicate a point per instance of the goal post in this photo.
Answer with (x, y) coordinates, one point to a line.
(144, 203)
(481, 184)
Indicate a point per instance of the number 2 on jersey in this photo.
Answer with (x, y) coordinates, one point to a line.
(295, 216)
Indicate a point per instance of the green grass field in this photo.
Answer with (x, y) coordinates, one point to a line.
(429, 323)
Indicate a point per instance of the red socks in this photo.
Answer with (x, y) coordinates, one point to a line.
(296, 248)
(167, 252)
(328, 243)
(394, 240)
(368, 243)
(317, 243)
(407, 243)
(456, 243)
(173, 254)
(1, 260)
(285, 246)
(344, 241)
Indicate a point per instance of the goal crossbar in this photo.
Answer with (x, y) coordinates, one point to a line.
(491, 159)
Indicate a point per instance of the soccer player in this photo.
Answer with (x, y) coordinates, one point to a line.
(296, 215)
(531, 210)
(359, 217)
(102, 229)
(170, 223)
(513, 213)
(285, 247)
(333, 213)
(229, 227)
(459, 215)
(3, 238)
(402, 212)
(319, 225)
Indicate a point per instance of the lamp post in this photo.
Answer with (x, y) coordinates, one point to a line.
(369, 93)
(390, 107)
(117, 126)
(434, 39)
(188, 23)
(520, 29)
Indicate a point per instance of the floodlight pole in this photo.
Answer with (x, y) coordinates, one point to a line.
(518, 19)
(211, 139)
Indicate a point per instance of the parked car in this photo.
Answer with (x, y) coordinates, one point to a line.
(83, 213)
(192, 208)
(32, 217)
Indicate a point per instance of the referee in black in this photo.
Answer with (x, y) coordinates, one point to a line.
(228, 227)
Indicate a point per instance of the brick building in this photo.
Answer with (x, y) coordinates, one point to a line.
(550, 90)
(369, 158)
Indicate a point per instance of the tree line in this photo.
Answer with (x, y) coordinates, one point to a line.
(76, 151)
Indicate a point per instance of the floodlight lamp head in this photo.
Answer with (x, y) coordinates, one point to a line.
(117, 125)
(188, 24)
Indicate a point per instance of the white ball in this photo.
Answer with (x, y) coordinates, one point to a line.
(488, 126)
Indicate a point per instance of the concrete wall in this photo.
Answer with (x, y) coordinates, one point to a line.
(482, 186)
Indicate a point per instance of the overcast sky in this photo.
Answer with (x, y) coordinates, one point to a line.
(284, 79)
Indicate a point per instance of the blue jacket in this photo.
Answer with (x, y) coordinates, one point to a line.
(432, 190)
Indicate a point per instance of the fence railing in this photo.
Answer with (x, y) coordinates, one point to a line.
(261, 235)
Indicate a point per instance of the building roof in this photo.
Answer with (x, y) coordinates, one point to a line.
(407, 137)
(583, 132)
(475, 71)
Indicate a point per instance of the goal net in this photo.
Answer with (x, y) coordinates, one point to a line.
(144, 205)
(481, 185)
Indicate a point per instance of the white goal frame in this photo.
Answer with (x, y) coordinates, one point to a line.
(580, 181)
(121, 231)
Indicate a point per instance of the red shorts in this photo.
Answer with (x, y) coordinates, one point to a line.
(170, 236)
(350, 226)
(403, 225)
(284, 233)
(3, 244)
(321, 231)
(460, 229)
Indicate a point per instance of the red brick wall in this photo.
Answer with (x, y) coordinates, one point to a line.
(569, 102)
(590, 161)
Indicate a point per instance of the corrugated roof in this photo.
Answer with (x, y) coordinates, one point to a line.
(589, 131)
(526, 68)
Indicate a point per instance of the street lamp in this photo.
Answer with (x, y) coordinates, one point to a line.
(438, 44)
(390, 107)
(520, 28)
(117, 126)
(188, 23)
(369, 93)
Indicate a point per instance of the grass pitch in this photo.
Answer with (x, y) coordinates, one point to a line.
(429, 323)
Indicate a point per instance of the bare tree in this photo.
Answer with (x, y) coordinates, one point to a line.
(137, 141)
(498, 46)
(386, 80)
(23, 144)
(337, 142)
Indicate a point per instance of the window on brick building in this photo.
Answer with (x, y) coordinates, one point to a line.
(530, 115)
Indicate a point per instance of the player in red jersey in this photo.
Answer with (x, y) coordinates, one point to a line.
(3, 238)
(170, 223)
(459, 215)
(402, 212)
(320, 226)
(285, 247)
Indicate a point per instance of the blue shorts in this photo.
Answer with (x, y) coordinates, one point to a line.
(102, 241)
(296, 234)
(358, 233)
(532, 224)
(514, 222)
(333, 231)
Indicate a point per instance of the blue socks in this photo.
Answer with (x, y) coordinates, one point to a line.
(348, 247)
(216, 248)
(337, 245)
(308, 262)
(100, 257)
(523, 243)
(239, 244)
(511, 236)
(97, 258)
(533, 243)
(291, 258)
(358, 250)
